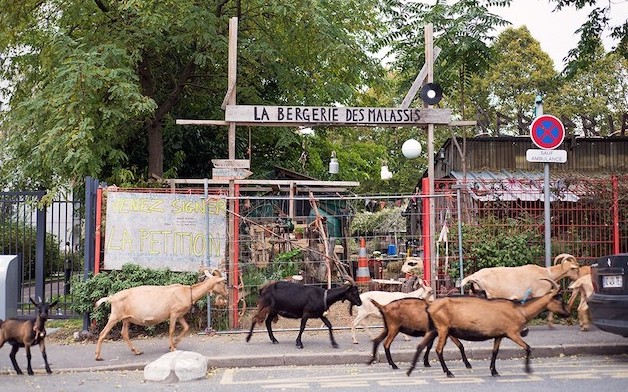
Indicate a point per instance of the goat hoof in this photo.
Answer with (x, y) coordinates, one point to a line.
(334, 345)
(395, 367)
(99, 359)
(450, 375)
(494, 374)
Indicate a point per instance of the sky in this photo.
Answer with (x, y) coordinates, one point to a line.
(556, 30)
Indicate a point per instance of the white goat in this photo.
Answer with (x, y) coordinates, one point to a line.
(523, 282)
(383, 298)
(582, 287)
(151, 305)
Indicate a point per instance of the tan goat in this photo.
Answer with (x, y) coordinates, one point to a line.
(582, 287)
(151, 305)
(523, 282)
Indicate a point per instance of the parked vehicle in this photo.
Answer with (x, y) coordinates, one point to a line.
(609, 301)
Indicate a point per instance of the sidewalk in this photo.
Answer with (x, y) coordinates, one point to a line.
(231, 350)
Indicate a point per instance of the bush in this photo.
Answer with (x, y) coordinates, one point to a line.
(492, 244)
(87, 292)
(284, 265)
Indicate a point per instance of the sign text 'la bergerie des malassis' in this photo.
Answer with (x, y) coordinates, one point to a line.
(335, 115)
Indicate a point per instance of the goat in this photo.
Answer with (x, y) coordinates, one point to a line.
(151, 305)
(294, 300)
(384, 297)
(522, 282)
(26, 333)
(409, 316)
(582, 287)
(479, 319)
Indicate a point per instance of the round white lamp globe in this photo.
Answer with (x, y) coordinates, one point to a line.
(411, 149)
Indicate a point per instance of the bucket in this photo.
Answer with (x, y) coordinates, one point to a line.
(392, 250)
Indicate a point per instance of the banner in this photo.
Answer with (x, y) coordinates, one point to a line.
(176, 231)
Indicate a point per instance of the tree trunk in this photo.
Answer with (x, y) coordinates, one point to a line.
(155, 150)
(154, 128)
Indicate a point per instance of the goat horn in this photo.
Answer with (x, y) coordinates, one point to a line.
(555, 286)
(563, 257)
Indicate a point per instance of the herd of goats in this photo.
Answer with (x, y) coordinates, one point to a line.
(502, 300)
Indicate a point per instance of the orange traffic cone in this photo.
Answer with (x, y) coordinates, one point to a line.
(362, 275)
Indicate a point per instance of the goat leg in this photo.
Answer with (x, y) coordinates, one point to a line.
(427, 339)
(301, 329)
(426, 361)
(376, 341)
(186, 328)
(331, 332)
(14, 349)
(269, 328)
(517, 339)
(496, 344)
(393, 331)
(248, 337)
(103, 334)
(29, 368)
(125, 336)
(441, 358)
(461, 348)
(42, 348)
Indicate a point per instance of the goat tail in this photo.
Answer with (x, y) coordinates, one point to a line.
(476, 286)
(102, 301)
(377, 304)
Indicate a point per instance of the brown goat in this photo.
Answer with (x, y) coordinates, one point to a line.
(409, 316)
(479, 319)
(151, 305)
(26, 333)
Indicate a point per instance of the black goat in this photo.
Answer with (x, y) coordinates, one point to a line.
(26, 333)
(293, 300)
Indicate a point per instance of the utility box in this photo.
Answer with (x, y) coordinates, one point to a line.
(9, 284)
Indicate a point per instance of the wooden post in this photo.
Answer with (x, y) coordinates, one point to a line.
(429, 61)
(231, 100)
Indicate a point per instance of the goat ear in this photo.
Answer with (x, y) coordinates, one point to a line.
(33, 302)
(54, 302)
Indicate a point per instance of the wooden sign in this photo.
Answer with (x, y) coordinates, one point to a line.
(299, 115)
(232, 163)
(228, 173)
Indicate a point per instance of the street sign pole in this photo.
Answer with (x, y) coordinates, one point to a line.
(546, 190)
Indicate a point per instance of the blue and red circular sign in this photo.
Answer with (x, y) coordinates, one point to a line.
(547, 132)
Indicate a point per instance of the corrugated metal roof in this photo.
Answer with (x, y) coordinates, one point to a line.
(505, 185)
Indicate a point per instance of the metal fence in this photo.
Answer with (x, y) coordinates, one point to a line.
(48, 243)
(298, 235)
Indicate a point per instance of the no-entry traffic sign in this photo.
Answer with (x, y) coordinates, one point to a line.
(547, 132)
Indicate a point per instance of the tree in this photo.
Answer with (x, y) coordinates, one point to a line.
(94, 87)
(521, 71)
(591, 32)
(594, 97)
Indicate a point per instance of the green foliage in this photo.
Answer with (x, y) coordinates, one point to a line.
(373, 223)
(286, 264)
(491, 243)
(87, 292)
